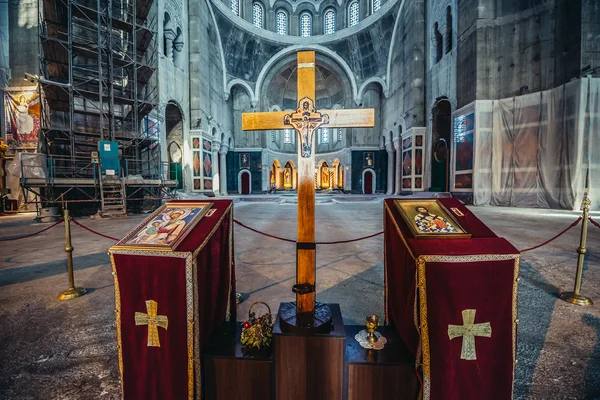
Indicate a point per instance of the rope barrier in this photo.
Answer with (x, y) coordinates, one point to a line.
(293, 241)
(93, 231)
(594, 222)
(263, 233)
(574, 224)
(33, 234)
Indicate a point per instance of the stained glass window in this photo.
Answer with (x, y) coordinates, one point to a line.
(257, 15)
(376, 5)
(305, 25)
(329, 21)
(287, 136)
(354, 13)
(282, 22)
(324, 136)
(235, 6)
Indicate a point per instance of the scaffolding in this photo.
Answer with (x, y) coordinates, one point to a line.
(97, 82)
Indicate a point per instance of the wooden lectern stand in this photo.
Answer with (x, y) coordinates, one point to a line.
(174, 286)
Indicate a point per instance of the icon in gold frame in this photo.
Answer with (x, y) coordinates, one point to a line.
(428, 218)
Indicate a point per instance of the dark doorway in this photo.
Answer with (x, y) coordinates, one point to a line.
(368, 183)
(174, 127)
(440, 151)
(245, 182)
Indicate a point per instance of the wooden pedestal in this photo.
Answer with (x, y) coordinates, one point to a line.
(380, 374)
(303, 367)
(231, 374)
(310, 367)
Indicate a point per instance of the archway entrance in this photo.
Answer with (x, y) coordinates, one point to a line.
(337, 175)
(174, 129)
(440, 151)
(276, 176)
(325, 176)
(289, 176)
(368, 181)
(245, 186)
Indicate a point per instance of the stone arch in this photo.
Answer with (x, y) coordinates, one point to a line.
(240, 180)
(393, 43)
(242, 84)
(292, 50)
(220, 44)
(174, 141)
(365, 189)
(292, 183)
(375, 79)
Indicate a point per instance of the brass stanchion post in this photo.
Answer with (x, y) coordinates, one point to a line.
(72, 291)
(575, 297)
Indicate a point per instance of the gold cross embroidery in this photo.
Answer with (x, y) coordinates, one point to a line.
(468, 331)
(153, 321)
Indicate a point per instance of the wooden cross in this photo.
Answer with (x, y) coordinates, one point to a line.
(468, 330)
(305, 121)
(153, 320)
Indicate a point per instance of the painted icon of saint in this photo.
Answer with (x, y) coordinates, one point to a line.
(430, 223)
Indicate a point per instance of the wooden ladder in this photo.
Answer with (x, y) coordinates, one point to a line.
(112, 194)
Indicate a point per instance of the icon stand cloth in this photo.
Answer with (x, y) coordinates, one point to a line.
(454, 303)
(168, 302)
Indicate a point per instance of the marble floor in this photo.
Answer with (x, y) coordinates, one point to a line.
(66, 350)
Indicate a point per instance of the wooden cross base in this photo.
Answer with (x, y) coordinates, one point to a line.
(306, 323)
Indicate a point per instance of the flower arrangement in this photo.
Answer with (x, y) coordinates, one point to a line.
(3, 148)
(257, 332)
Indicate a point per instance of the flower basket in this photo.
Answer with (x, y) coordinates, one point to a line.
(257, 332)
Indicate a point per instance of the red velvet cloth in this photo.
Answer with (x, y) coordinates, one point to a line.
(162, 372)
(451, 287)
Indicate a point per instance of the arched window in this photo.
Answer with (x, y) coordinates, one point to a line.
(439, 45)
(305, 24)
(448, 29)
(353, 13)
(287, 136)
(235, 6)
(376, 5)
(282, 22)
(329, 21)
(257, 14)
(324, 135)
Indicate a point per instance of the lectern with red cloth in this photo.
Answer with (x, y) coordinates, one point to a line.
(454, 303)
(174, 285)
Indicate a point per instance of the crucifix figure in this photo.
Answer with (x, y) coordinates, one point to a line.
(306, 120)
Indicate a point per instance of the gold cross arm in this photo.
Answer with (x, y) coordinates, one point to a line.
(468, 331)
(153, 320)
(356, 118)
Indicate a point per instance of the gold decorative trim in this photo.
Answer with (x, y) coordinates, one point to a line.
(399, 232)
(189, 297)
(230, 237)
(386, 317)
(118, 319)
(515, 310)
(423, 350)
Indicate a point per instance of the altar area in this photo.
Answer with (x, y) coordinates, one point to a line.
(75, 353)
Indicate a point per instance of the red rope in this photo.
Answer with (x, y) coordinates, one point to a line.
(574, 224)
(93, 231)
(263, 233)
(293, 241)
(33, 234)
(594, 222)
(352, 240)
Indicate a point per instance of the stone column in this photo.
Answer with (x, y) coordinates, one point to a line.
(398, 147)
(215, 166)
(389, 148)
(223, 165)
(169, 37)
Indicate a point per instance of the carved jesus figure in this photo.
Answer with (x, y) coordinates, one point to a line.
(306, 120)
